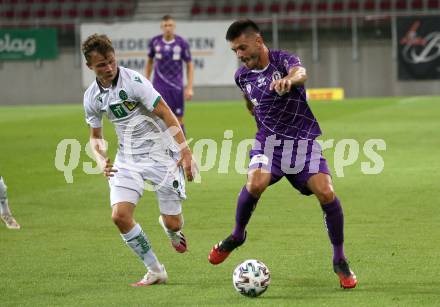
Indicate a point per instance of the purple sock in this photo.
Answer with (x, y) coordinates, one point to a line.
(334, 221)
(245, 206)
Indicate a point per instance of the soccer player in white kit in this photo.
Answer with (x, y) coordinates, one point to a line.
(152, 148)
(5, 212)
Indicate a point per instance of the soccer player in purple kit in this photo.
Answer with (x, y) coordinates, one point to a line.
(272, 82)
(166, 52)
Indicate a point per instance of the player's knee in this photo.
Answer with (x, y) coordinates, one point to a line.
(173, 223)
(256, 187)
(120, 219)
(325, 194)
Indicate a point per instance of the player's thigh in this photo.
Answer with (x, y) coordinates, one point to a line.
(126, 186)
(168, 182)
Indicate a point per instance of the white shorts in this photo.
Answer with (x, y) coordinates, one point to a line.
(158, 173)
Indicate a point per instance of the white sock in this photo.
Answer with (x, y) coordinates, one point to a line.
(138, 242)
(4, 208)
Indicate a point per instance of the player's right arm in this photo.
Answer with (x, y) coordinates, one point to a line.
(99, 149)
(149, 68)
(249, 105)
(97, 142)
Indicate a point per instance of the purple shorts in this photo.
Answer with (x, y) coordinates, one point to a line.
(297, 160)
(173, 97)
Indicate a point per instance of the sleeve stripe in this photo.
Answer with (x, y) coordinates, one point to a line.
(156, 101)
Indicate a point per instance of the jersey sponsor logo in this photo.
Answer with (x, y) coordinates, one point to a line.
(131, 105)
(123, 95)
(177, 49)
(261, 81)
(157, 48)
(118, 110)
(137, 79)
(276, 75)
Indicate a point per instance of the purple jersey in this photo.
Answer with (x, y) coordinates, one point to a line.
(168, 57)
(287, 116)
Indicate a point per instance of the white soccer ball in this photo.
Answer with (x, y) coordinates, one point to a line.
(251, 278)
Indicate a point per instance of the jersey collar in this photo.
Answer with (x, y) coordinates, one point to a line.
(114, 83)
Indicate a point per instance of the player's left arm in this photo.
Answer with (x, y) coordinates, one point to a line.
(297, 76)
(163, 111)
(190, 78)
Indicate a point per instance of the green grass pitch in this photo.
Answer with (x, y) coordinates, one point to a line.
(68, 252)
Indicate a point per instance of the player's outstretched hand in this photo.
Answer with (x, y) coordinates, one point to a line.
(108, 168)
(188, 164)
(281, 86)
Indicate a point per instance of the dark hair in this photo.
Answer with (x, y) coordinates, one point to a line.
(239, 27)
(167, 17)
(99, 43)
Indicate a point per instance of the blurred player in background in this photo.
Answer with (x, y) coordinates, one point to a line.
(145, 152)
(5, 212)
(272, 82)
(167, 52)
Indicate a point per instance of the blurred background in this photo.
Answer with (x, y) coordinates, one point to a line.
(365, 47)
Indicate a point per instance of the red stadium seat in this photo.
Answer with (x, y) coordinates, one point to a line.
(104, 12)
(10, 14)
(385, 5)
(369, 5)
(88, 12)
(196, 9)
(72, 13)
(243, 8)
(338, 6)
(25, 14)
(56, 13)
(275, 7)
(322, 6)
(353, 5)
(40, 13)
(306, 7)
(227, 9)
(259, 8)
(290, 6)
(417, 4)
(211, 9)
(400, 5)
(433, 4)
(121, 12)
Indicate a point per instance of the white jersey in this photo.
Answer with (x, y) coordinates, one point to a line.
(129, 103)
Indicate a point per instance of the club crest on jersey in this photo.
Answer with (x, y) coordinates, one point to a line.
(123, 95)
(157, 48)
(261, 81)
(276, 75)
(177, 49)
(130, 105)
(248, 88)
(99, 98)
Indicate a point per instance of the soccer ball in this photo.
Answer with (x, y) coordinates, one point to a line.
(251, 278)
